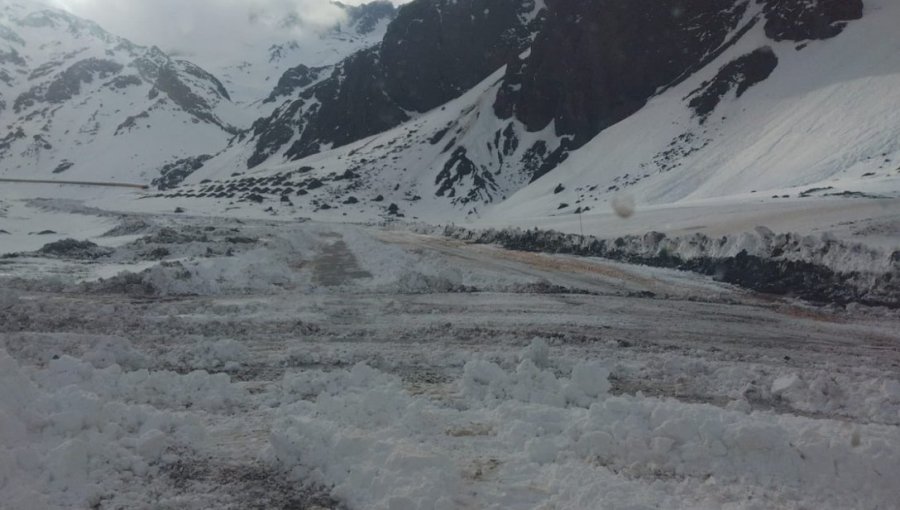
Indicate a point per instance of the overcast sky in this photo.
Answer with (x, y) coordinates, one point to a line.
(204, 28)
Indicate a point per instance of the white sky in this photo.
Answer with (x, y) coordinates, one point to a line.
(206, 29)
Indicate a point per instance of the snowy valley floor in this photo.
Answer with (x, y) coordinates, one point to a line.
(201, 362)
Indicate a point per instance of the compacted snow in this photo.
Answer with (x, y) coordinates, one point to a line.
(199, 362)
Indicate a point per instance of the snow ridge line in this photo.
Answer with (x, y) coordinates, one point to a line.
(821, 270)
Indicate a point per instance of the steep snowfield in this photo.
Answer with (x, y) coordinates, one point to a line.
(818, 121)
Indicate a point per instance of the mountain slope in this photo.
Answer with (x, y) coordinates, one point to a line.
(777, 115)
(431, 53)
(759, 105)
(295, 47)
(78, 101)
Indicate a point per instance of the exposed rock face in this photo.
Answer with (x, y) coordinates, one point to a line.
(460, 167)
(738, 75)
(121, 82)
(73, 94)
(295, 78)
(63, 166)
(170, 77)
(213, 84)
(175, 173)
(68, 83)
(72, 248)
(274, 132)
(169, 81)
(433, 52)
(348, 106)
(596, 63)
(436, 50)
(590, 65)
(797, 20)
(353, 105)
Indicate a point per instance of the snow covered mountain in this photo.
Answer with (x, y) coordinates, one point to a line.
(792, 105)
(79, 102)
(499, 111)
(576, 103)
(259, 71)
(431, 53)
(658, 264)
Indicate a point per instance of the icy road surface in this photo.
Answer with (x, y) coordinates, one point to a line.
(197, 363)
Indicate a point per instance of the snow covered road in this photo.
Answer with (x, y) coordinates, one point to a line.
(258, 364)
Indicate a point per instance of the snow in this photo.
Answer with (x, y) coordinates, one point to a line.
(377, 368)
(88, 130)
(25, 224)
(71, 431)
(240, 355)
(127, 133)
(382, 447)
(251, 74)
(727, 186)
(818, 121)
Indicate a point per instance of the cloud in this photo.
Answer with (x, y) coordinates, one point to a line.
(212, 31)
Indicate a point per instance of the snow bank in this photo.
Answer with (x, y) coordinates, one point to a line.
(527, 437)
(209, 355)
(256, 270)
(100, 351)
(820, 268)
(72, 435)
(875, 399)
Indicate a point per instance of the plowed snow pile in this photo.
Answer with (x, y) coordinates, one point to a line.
(193, 363)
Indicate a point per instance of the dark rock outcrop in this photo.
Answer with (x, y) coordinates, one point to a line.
(459, 167)
(9, 35)
(169, 78)
(437, 49)
(213, 84)
(294, 79)
(175, 173)
(348, 106)
(353, 105)
(169, 82)
(124, 81)
(74, 249)
(799, 20)
(68, 83)
(434, 50)
(596, 63)
(739, 75)
(63, 166)
(11, 137)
